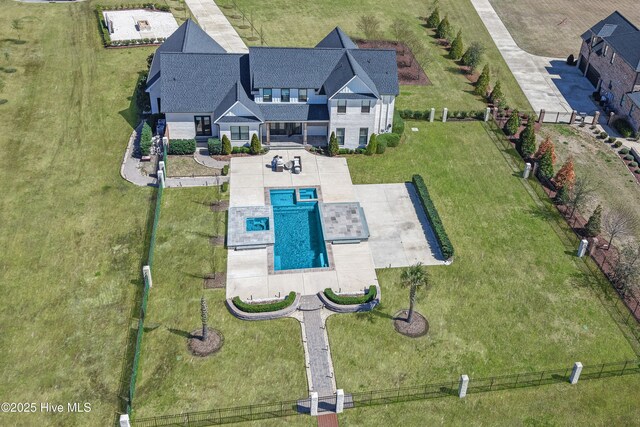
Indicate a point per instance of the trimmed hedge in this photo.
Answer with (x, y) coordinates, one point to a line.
(624, 127)
(182, 146)
(145, 139)
(214, 145)
(240, 150)
(398, 124)
(624, 151)
(264, 308)
(434, 218)
(390, 139)
(381, 146)
(351, 300)
(225, 170)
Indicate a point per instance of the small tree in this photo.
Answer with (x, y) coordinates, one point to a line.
(473, 56)
(546, 165)
(627, 270)
(619, 222)
(372, 146)
(580, 195)
(482, 85)
(146, 137)
(528, 140)
(434, 19)
(334, 148)
(226, 145)
(547, 145)
(256, 146)
(562, 196)
(457, 47)
(16, 24)
(414, 277)
(566, 176)
(204, 316)
(400, 29)
(369, 26)
(497, 96)
(443, 30)
(513, 124)
(593, 225)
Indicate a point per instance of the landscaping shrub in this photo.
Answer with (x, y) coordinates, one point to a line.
(633, 164)
(145, 139)
(513, 124)
(571, 59)
(225, 170)
(624, 127)
(482, 85)
(528, 140)
(389, 139)
(214, 145)
(225, 187)
(443, 30)
(345, 151)
(457, 47)
(226, 145)
(434, 218)
(333, 148)
(143, 102)
(628, 157)
(264, 308)
(617, 144)
(637, 171)
(434, 19)
(624, 151)
(351, 300)
(381, 147)
(497, 96)
(359, 151)
(372, 146)
(473, 55)
(256, 146)
(546, 165)
(398, 124)
(182, 146)
(611, 140)
(239, 150)
(603, 135)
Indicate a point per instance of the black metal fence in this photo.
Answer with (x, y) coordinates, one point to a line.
(383, 397)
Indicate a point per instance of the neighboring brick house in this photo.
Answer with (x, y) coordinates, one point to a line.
(610, 59)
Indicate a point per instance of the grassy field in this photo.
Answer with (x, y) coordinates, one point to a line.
(531, 23)
(513, 284)
(313, 20)
(259, 362)
(613, 183)
(72, 230)
(187, 166)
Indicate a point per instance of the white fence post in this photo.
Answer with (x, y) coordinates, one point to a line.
(161, 166)
(464, 384)
(314, 403)
(575, 373)
(582, 249)
(339, 401)
(161, 179)
(444, 115)
(487, 114)
(527, 170)
(432, 115)
(124, 421)
(146, 272)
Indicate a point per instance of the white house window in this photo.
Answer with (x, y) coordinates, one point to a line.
(366, 106)
(285, 95)
(239, 133)
(364, 135)
(604, 51)
(266, 95)
(203, 125)
(342, 106)
(622, 99)
(340, 136)
(302, 95)
(613, 56)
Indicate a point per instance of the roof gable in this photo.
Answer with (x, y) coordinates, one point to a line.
(237, 95)
(337, 39)
(618, 32)
(345, 71)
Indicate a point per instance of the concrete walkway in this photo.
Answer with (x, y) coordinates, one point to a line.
(202, 156)
(198, 181)
(316, 346)
(130, 169)
(548, 83)
(213, 21)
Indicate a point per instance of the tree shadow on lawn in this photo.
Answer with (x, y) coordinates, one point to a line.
(131, 113)
(180, 333)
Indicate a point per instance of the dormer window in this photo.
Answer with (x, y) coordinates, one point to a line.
(342, 106)
(366, 107)
(604, 51)
(266, 95)
(285, 95)
(302, 95)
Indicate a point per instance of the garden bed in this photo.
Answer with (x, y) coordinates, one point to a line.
(410, 71)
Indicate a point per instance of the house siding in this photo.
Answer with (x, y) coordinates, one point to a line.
(352, 121)
(182, 125)
(225, 129)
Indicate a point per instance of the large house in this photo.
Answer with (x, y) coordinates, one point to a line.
(610, 58)
(298, 95)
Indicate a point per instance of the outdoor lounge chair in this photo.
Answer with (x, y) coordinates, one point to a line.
(297, 164)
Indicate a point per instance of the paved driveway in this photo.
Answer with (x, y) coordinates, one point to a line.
(548, 83)
(400, 232)
(213, 21)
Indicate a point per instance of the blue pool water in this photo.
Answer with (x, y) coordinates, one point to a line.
(257, 224)
(308, 193)
(298, 232)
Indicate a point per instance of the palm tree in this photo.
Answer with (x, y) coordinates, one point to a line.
(414, 276)
(204, 316)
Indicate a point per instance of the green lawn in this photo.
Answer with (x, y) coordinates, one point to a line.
(259, 362)
(72, 229)
(512, 301)
(306, 22)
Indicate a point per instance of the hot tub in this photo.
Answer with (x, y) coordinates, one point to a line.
(257, 224)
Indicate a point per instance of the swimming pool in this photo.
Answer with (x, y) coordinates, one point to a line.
(299, 242)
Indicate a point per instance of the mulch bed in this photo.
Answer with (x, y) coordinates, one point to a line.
(220, 206)
(200, 348)
(215, 280)
(417, 328)
(410, 72)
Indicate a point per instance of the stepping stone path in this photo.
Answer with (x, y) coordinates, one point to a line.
(316, 345)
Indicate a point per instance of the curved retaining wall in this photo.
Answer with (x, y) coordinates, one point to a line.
(353, 308)
(263, 316)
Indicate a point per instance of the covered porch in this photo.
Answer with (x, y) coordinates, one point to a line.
(303, 133)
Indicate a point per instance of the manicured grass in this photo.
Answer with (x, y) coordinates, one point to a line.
(259, 362)
(611, 401)
(513, 300)
(72, 230)
(187, 166)
(313, 20)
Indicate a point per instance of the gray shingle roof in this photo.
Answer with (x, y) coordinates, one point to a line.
(635, 98)
(381, 66)
(295, 112)
(196, 82)
(621, 35)
(346, 69)
(235, 94)
(337, 39)
(353, 96)
(188, 38)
